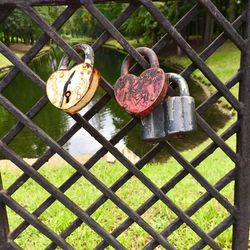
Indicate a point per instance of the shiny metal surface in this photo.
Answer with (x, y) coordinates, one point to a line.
(176, 114)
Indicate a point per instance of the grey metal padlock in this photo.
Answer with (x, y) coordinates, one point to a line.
(175, 114)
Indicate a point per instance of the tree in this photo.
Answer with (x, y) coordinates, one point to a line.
(18, 27)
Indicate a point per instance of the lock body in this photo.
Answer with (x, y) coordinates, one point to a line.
(153, 125)
(72, 89)
(179, 114)
(138, 95)
(175, 114)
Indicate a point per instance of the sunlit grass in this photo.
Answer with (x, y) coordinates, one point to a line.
(4, 62)
(225, 62)
(19, 50)
(134, 193)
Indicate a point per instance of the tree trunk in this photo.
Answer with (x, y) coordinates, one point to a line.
(154, 36)
(177, 11)
(6, 38)
(209, 30)
(231, 10)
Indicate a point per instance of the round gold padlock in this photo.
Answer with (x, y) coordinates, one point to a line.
(72, 89)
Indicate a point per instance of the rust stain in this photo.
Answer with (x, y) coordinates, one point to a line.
(139, 95)
(82, 82)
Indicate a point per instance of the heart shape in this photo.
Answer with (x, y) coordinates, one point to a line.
(139, 95)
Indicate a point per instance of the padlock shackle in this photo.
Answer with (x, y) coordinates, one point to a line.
(149, 53)
(181, 83)
(79, 48)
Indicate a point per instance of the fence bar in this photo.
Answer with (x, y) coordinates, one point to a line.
(57, 194)
(222, 21)
(172, 182)
(4, 225)
(161, 19)
(34, 221)
(242, 194)
(59, 2)
(38, 45)
(215, 232)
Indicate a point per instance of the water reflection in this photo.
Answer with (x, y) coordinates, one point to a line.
(24, 94)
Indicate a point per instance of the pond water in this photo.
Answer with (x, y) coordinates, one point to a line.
(24, 94)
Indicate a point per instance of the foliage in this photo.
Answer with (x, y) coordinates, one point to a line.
(19, 28)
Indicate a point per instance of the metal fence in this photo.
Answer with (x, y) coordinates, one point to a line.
(238, 212)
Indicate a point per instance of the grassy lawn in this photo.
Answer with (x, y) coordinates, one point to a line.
(4, 62)
(134, 193)
(225, 62)
(57, 217)
(19, 50)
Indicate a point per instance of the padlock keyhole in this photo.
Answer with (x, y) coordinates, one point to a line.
(67, 95)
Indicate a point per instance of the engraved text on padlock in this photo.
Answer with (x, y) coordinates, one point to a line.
(139, 95)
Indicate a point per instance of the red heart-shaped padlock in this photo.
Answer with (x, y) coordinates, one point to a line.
(139, 95)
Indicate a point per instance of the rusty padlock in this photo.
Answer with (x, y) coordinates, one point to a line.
(139, 95)
(72, 89)
(174, 115)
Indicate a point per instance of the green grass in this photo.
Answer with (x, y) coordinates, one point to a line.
(225, 62)
(134, 193)
(4, 62)
(19, 50)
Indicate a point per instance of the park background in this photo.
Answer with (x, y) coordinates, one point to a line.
(19, 33)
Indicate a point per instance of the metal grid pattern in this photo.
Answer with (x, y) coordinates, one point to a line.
(239, 211)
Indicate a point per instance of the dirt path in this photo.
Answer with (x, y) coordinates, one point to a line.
(55, 161)
(23, 48)
(19, 47)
